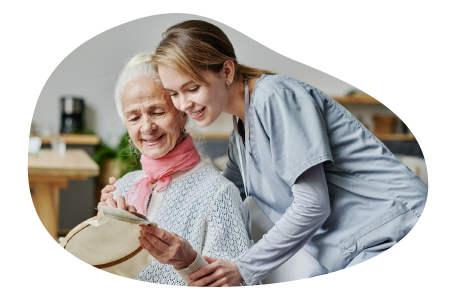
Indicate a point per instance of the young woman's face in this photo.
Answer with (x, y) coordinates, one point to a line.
(203, 103)
(153, 122)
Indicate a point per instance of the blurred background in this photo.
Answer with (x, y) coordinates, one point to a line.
(394, 73)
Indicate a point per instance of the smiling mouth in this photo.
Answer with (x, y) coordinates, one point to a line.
(198, 112)
(153, 140)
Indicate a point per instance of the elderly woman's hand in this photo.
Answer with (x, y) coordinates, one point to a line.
(167, 247)
(118, 203)
(106, 191)
(107, 198)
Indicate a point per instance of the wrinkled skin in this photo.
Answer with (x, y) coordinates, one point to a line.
(142, 118)
(154, 125)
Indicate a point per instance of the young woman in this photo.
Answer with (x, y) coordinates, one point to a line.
(327, 183)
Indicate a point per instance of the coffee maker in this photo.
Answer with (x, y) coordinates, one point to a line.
(72, 114)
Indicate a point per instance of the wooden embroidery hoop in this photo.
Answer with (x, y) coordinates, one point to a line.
(109, 241)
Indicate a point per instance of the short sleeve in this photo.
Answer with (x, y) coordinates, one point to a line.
(296, 129)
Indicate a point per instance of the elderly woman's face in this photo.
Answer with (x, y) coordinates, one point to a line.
(153, 122)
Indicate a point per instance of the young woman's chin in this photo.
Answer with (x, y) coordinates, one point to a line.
(203, 124)
(206, 120)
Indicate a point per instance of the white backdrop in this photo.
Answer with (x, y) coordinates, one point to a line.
(334, 52)
(55, 55)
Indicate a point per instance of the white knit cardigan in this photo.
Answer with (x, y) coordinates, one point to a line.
(201, 206)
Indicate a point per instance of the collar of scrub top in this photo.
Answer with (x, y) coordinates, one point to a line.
(244, 170)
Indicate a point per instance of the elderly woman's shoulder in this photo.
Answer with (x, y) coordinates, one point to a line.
(123, 184)
(205, 174)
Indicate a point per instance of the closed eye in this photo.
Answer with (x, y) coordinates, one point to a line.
(194, 89)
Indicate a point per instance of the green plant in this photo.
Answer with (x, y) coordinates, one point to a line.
(103, 152)
(123, 156)
(129, 155)
(352, 92)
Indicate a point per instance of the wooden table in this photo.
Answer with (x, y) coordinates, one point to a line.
(50, 171)
(73, 139)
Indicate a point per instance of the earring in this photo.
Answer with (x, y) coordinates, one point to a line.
(183, 130)
(131, 142)
(228, 84)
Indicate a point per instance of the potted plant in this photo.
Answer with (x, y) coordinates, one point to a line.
(115, 162)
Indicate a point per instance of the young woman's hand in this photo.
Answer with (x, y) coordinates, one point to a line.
(167, 247)
(217, 273)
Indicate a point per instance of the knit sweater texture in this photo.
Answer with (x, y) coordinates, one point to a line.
(202, 207)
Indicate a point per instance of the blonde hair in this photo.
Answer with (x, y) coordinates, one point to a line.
(192, 46)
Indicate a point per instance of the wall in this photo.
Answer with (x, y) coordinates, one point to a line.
(332, 52)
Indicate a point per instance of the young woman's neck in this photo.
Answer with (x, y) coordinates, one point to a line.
(236, 100)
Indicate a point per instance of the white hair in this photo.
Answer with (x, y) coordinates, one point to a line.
(140, 65)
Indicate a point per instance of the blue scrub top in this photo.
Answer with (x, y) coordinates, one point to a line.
(294, 126)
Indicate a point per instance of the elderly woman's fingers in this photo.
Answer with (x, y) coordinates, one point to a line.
(158, 254)
(108, 188)
(112, 180)
(131, 208)
(175, 250)
(110, 202)
(153, 240)
(102, 203)
(106, 196)
(120, 200)
(165, 236)
(144, 243)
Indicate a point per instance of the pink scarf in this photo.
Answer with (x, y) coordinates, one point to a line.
(183, 157)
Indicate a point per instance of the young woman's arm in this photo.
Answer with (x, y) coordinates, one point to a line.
(309, 210)
(307, 213)
(296, 132)
(289, 116)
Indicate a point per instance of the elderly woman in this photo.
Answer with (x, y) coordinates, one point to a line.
(198, 211)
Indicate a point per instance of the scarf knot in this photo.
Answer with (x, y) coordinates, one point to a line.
(183, 157)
